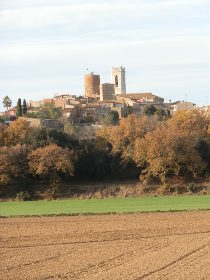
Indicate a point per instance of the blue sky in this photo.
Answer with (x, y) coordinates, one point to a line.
(47, 45)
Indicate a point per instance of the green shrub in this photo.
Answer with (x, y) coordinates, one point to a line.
(147, 178)
(23, 195)
(194, 188)
(181, 189)
(165, 189)
(54, 190)
(117, 189)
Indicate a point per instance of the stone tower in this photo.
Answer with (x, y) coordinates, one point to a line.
(118, 79)
(92, 85)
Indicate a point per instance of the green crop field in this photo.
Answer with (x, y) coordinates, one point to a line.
(99, 206)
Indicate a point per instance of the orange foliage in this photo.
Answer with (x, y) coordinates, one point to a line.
(123, 136)
(166, 151)
(13, 162)
(4, 165)
(16, 132)
(189, 122)
(50, 160)
(161, 149)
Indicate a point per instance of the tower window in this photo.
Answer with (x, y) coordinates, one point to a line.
(116, 81)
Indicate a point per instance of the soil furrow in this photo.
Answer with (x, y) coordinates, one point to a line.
(171, 263)
(153, 246)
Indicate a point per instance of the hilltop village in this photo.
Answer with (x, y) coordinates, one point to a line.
(97, 103)
(107, 134)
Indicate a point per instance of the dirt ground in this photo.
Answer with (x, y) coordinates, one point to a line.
(132, 246)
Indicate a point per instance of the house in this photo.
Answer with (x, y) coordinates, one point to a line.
(181, 106)
(43, 123)
(35, 104)
(139, 97)
(205, 110)
(47, 101)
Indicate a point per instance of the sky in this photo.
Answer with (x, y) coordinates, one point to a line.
(46, 47)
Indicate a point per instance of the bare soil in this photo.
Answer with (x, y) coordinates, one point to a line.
(133, 246)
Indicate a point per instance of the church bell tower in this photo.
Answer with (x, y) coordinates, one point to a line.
(118, 79)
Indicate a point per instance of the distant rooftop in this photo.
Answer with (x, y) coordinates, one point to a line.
(137, 95)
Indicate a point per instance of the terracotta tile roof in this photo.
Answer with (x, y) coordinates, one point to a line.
(137, 95)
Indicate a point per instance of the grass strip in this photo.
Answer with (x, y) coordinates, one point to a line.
(104, 206)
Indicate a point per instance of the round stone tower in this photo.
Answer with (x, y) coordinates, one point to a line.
(92, 85)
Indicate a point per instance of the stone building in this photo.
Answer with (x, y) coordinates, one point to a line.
(181, 106)
(60, 103)
(205, 110)
(47, 101)
(107, 92)
(35, 104)
(140, 97)
(118, 79)
(43, 123)
(121, 109)
(92, 85)
(49, 123)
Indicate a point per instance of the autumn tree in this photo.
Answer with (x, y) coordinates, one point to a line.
(2, 134)
(50, 163)
(163, 154)
(4, 165)
(172, 149)
(16, 132)
(18, 160)
(122, 137)
(191, 122)
(13, 163)
(7, 102)
(162, 148)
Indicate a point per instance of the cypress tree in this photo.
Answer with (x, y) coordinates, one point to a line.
(19, 108)
(24, 107)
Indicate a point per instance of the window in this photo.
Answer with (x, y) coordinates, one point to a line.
(116, 81)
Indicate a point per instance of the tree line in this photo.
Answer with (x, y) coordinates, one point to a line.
(29, 156)
(150, 148)
(21, 109)
(176, 147)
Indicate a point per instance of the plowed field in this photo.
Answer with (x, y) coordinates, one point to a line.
(132, 246)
